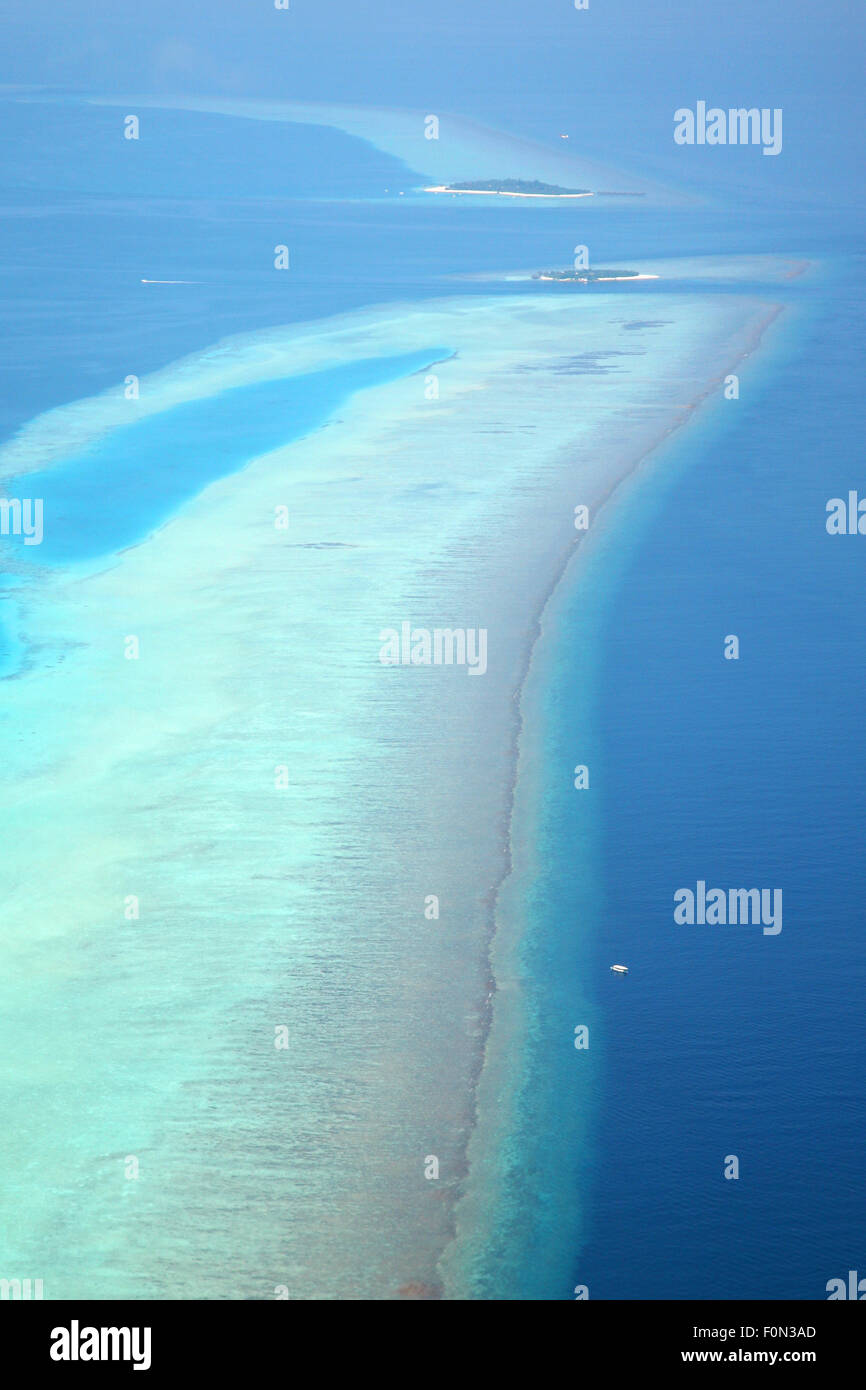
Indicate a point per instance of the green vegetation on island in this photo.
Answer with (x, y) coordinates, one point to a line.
(586, 275)
(540, 190)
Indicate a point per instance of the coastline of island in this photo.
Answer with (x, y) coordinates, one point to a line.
(590, 277)
(510, 188)
(523, 188)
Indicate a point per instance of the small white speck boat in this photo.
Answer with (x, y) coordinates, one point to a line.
(620, 969)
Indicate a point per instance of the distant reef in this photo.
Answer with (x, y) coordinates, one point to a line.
(587, 276)
(526, 188)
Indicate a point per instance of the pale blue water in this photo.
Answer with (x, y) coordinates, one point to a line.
(714, 1044)
(117, 491)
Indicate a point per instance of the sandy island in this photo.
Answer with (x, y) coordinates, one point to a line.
(502, 193)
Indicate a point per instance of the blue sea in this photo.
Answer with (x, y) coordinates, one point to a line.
(142, 473)
(720, 1041)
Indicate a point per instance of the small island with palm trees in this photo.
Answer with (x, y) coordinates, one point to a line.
(585, 276)
(512, 188)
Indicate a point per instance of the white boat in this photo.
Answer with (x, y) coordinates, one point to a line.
(620, 969)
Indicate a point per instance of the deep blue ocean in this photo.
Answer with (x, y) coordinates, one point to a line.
(748, 772)
(720, 1041)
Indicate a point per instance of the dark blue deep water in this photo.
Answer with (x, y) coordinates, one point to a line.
(742, 773)
(721, 1041)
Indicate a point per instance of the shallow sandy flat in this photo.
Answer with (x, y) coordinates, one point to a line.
(303, 905)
